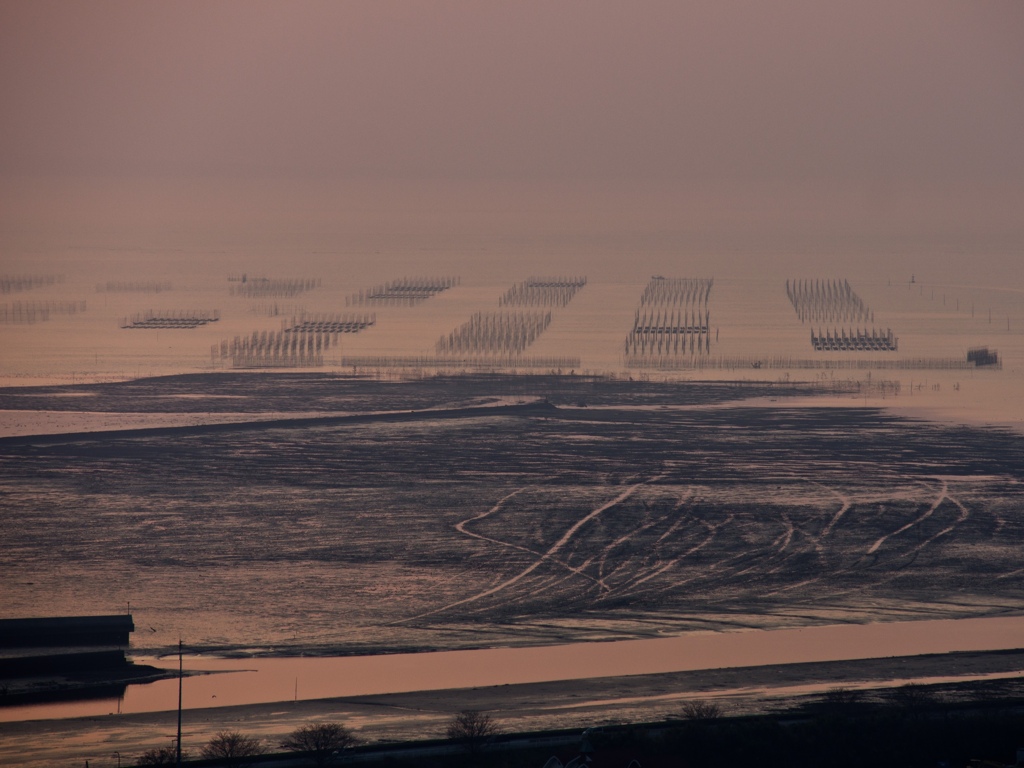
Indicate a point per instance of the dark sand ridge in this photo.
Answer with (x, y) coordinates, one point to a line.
(571, 704)
(435, 414)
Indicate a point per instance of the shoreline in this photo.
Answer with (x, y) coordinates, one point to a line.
(268, 678)
(74, 687)
(577, 704)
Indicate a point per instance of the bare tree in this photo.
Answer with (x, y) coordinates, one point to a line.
(473, 729)
(701, 711)
(233, 749)
(323, 742)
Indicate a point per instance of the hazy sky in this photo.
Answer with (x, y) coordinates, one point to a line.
(799, 89)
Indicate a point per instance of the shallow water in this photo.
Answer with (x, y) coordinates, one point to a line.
(264, 680)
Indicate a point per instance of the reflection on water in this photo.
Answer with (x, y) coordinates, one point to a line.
(253, 681)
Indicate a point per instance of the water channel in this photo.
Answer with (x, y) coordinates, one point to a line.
(266, 680)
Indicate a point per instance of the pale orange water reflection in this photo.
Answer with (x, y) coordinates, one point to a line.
(264, 680)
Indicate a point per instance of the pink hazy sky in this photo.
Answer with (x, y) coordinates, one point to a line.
(927, 90)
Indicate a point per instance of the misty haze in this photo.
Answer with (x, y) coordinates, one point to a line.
(652, 369)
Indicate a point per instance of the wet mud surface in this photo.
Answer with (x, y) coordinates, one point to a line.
(265, 392)
(655, 509)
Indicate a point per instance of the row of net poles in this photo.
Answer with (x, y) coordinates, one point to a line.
(329, 323)
(670, 332)
(274, 347)
(405, 291)
(827, 301)
(857, 340)
(543, 292)
(276, 288)
(503, 333)
(673, 319)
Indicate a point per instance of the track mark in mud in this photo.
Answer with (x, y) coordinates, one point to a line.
(631, 589)
(786, 538)
(545, 557)
(461, 528)
(608, 550)
(660, 566)
(913, 553)
(917, 521)
(672, 529)
(846, 504)
(798, 585)
(944, 495)
(964, 514)
(777, 552)
(786, 553)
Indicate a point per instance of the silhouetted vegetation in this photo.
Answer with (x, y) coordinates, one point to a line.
(909, 726)
(474, 730)
(913, 725)
(233, 749)
(702, 710)
(321, 742)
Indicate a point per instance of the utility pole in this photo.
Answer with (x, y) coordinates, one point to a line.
(178, 748)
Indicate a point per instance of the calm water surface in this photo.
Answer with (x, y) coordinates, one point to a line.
(265, 680)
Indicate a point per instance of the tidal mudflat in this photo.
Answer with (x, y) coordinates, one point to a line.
(566, 509)
(321, 514)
